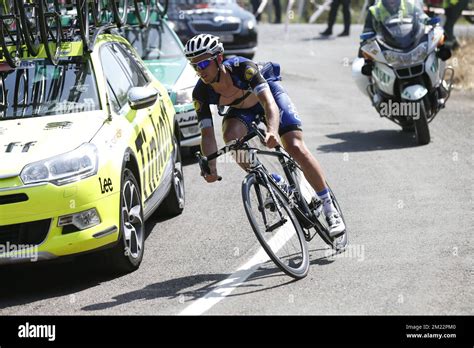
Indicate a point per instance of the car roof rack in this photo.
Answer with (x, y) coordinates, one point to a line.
(21, 38)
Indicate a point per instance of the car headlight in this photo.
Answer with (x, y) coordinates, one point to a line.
(402, 59)
(250, 24)
(184, 96)
(63, 169)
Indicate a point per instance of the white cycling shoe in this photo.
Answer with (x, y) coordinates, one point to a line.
(336, 225)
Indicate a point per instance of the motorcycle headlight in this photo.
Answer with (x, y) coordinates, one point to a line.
(184, 96)
(63, 169)
(410, 58)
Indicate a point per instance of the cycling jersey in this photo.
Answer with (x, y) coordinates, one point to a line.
(249, 77)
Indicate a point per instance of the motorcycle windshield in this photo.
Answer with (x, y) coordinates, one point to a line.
(403, 30)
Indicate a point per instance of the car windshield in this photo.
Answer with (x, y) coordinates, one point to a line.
(155, 42)
(404, 28)
(39, 88)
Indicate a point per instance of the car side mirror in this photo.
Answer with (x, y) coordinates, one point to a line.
(142, 97)
(367, 35)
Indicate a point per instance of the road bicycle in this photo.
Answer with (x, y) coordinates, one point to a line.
(282, 217)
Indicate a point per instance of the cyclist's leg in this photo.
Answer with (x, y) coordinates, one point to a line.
(291, 136)
(294, 144)
(236, 125)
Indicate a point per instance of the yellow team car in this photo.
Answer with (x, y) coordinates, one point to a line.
(89, 149)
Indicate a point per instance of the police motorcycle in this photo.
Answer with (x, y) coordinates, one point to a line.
(403, 69)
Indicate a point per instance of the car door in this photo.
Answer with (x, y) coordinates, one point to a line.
(122, 73)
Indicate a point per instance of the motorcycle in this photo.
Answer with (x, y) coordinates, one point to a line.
(404, 70)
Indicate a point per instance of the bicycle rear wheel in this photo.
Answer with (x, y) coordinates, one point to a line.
(281, 236)
(29, 17)
(119, 11)
(10, 36)
(82, 8)
(162, 6)
(50, 27)
(142, 11)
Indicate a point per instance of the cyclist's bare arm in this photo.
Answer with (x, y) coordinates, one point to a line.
(208, 146)
(272, 115)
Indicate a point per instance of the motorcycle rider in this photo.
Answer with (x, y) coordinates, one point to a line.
(237, 82)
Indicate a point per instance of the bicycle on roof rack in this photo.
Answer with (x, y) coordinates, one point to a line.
(281, 218)
(32, 28)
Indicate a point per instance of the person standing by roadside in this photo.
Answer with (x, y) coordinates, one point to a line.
(258, 9)
(453, 10)
(346, 11)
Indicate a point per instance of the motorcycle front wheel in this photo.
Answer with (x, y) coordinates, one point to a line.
(422, 129)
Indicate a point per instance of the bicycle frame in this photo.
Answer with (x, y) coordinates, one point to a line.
(302, 211)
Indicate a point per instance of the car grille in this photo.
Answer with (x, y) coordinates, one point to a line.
(28, 233)
(411, 71)
(213, 27)
(16, 198)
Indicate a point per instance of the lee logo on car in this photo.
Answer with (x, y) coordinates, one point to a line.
(105, 185)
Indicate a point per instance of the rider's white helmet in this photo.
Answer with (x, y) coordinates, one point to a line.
(202, 44)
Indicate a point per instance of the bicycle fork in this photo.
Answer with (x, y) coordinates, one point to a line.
(261, 208)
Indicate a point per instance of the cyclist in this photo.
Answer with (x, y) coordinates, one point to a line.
(237, 82)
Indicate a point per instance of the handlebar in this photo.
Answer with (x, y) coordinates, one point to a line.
(234, 145)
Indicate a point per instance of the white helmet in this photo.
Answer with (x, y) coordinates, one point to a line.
(202, 44)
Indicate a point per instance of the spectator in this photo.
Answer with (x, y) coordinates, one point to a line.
(255, 6)
(453, 10)
(276, 6)
(332, 17)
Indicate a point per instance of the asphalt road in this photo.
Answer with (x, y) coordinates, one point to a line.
(409, 211)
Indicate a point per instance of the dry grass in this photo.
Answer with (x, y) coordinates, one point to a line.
(463, 63)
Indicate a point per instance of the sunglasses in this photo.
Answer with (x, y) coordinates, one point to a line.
(203, 64)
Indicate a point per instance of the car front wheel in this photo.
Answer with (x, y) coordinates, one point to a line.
(127, 254)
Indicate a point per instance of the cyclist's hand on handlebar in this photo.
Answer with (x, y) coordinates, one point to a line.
(271, 140)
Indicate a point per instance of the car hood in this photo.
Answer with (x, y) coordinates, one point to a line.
(28, 140)
(167, 70)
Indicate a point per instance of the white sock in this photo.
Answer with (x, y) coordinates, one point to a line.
(325, 197)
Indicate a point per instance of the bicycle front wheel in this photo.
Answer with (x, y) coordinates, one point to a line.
(276, 227)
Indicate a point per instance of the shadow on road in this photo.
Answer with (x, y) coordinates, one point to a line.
(29, 283)
(188, 287)
(369, 141)
(319, 38)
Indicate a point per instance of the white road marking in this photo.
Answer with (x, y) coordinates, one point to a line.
(225, 287)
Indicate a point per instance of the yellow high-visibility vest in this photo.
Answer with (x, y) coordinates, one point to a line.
(379, 12)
